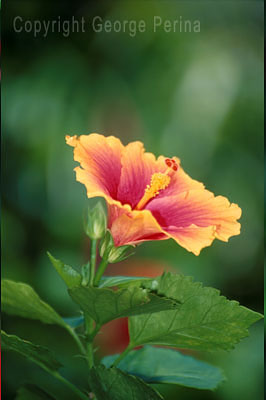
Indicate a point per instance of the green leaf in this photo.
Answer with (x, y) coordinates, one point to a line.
(21, 300)
(205, 320)
(104, 305)
(121, 281)
(113, 384)
(69, 275)
(159, 365)
(38, 354)
(32, 392)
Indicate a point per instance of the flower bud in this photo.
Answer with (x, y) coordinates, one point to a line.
(110, 252)
(106, 245)
(96, 223)
(119, 253)
(85, 274)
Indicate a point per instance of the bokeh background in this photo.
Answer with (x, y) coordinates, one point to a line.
(198, 96)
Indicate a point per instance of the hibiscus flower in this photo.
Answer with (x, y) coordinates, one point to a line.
(149, 198)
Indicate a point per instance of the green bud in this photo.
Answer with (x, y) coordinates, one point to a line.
(96, 223)
(106, 245)
(119, 253)
(85, 273)
(110, 252)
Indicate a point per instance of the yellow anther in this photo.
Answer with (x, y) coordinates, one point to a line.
(159, 182)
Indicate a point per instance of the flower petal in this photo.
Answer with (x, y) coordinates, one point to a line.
(132, 227)
(100, 159)
(193, 238)
(137, 169)
(199, 208)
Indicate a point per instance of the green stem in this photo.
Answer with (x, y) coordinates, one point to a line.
(74, 389)
(95, 331)
(89, 329)
(100, 271)
(122, 355)
(76, 338)
(89, 323)
(93, 260)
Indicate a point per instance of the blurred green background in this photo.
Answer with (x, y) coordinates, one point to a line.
(198, 96)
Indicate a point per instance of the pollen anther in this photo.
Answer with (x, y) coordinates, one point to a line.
(159, 181)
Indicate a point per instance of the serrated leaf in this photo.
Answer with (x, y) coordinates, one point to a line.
(32, 392)
(160, 365)
(113, 384)
(69, 275)
(121, 281)
(205, 320)
(104, 305)
(38, 354)
(20, 299)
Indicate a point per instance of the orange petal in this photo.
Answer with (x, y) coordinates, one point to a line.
(132, 227)
(193, 238)
(197, 208)
(137, 169)
(100, 160)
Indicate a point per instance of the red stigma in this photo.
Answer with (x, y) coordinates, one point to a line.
(171, 163)
(168, 162)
